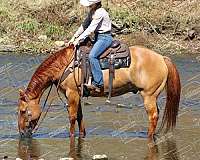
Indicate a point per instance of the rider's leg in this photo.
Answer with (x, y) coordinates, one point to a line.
(102, 43)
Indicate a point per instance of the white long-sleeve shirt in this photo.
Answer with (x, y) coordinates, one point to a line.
(98, 22)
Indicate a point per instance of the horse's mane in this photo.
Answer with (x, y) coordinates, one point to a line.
(45, 73)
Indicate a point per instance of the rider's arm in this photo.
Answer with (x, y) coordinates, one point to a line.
(84, 25)
(96, 20)
(79, 31)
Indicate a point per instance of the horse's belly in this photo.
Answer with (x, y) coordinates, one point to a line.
(121, 82)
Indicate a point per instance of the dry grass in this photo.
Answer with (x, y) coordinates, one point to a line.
(160, 25)
(164, 25)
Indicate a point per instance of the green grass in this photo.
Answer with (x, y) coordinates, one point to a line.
(29, 26)
(125, 18)
(54, 31)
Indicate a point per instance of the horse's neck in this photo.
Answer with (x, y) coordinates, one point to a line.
(36, 93)
(48, 72)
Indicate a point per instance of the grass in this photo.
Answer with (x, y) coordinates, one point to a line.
(54, 31)
(29, 26)
(163, 25)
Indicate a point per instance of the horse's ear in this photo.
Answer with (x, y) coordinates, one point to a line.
(71, 46)
(23, 95)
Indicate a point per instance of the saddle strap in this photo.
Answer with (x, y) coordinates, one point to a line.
(83, 71)
(66, 74)
(111, 75)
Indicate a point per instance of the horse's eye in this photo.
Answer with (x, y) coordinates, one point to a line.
(22, 112)
(23, 99)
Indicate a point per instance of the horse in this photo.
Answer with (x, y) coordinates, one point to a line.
(149, 72)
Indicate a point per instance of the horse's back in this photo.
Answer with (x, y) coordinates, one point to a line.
(145, 53)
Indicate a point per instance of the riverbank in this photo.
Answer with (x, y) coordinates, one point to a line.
(42, 26)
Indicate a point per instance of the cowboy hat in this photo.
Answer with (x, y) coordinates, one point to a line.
(87, 3)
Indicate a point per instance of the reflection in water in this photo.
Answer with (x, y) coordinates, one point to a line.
(152, 153)
(75, 151)
(168, 151)
(28, 149)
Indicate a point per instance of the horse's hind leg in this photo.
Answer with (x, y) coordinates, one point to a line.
(82, 132)
(152, 111)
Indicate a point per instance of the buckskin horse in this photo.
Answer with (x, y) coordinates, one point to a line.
(149, 71)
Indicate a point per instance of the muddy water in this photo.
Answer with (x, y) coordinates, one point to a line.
(118, 130)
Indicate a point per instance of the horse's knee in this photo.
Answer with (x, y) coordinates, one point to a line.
(72, 119)
(155, 116)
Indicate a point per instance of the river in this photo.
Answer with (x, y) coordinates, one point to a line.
(118, 130)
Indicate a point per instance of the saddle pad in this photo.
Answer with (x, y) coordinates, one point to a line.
(121, 56)
(118, 63)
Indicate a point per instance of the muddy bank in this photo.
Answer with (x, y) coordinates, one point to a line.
(157, 42)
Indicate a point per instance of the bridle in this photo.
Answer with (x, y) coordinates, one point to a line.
(28, 115)
(27, 118)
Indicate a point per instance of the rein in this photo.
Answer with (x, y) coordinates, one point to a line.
(77, 52)
(44, 105)
(59, 82)
(73, 58)
(41, 119)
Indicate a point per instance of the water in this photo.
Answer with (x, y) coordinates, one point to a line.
(119, 131)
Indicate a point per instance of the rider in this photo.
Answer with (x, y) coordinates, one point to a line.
(99, 23)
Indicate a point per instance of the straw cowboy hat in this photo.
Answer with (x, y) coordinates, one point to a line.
(87, 3)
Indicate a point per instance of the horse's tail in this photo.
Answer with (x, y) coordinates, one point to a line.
(173, 88)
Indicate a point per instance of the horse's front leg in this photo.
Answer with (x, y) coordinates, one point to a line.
(81, 126)
(73, 102)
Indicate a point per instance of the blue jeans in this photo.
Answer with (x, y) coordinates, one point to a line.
(103, 41)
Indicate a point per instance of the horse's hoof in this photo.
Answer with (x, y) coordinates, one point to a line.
(82, 135)
(155, 137)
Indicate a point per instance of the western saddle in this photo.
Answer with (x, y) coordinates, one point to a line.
(115, 57)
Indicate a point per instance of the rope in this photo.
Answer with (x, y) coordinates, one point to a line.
(57, 87)
(44, 105)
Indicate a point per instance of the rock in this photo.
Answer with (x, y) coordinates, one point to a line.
(5, 157)
(100, 157)
(42, 38)
(7, 48)
(59, 43)
(87, 103)
(19, 159)
(119, 105)
(198, 58)
(108, 101)
(191, 34)
(4, 40)
(1, 40)
(66, 158)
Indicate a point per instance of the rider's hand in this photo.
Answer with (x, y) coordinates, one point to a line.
(72, 40)
(76, 42)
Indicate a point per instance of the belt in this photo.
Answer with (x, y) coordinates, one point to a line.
(108, 32)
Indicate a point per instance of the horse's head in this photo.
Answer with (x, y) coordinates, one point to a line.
(28, 114)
